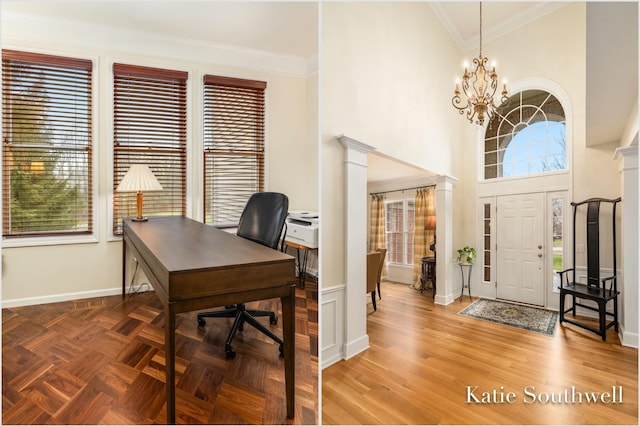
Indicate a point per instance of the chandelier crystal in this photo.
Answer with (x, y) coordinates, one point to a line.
(478, 86)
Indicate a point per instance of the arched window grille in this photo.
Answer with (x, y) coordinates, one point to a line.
(526, 136)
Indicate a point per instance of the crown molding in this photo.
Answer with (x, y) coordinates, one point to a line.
(494, 32)
(19, 28)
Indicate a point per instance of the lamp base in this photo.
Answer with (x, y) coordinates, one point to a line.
(140, 219)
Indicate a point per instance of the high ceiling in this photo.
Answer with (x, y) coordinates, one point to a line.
(291, 28)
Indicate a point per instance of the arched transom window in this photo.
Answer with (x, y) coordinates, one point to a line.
(526, 136)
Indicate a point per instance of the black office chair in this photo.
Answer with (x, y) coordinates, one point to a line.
(262, 221)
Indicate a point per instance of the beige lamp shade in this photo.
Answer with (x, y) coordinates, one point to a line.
(139, 178)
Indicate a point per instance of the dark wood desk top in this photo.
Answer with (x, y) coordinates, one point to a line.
(186, 256)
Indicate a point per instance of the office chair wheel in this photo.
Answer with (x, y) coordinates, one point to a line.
(281, 348)
(273, 319)
(230, 352)
(201, 321)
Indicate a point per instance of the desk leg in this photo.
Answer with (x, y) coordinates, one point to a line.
(288, 330)
(302, 267)
(124, 267)
(170, 360)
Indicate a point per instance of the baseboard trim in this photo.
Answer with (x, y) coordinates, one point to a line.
(356, 347)
(628, 339)
(47, 299)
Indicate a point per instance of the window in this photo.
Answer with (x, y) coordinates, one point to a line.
(234, 146)
(399, 228)
(47, 145)
(527, 136)
(150, 127)
(557, 206)
(486, 247)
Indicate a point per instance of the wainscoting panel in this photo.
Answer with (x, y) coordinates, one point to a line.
(332, 325)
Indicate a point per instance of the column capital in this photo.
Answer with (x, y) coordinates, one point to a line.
(352, 144)
(628, 157)
(445, 182)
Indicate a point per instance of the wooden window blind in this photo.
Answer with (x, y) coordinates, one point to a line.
(150, 127)
(234, 146)
(47, 145)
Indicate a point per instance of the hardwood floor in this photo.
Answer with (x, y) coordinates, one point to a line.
(101, 361)
(424, 356)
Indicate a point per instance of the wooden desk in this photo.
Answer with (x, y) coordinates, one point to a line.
(193, 266)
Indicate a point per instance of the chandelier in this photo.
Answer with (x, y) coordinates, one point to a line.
(478, 87)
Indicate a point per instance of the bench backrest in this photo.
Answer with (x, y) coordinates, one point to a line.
(593, 237)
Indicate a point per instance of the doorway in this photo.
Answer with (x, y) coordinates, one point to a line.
(520, 252)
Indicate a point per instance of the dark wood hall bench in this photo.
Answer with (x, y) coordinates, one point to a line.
(597, 289)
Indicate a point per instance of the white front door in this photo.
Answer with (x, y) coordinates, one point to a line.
(520, 248)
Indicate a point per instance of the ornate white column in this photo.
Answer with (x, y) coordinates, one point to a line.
(444, 235)
(628, 157)
(356, 339)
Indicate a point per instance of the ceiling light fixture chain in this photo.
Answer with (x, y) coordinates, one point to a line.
(479, 87)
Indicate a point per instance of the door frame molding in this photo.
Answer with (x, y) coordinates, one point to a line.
(549, 186)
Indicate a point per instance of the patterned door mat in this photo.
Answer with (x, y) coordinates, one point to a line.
(524, 317)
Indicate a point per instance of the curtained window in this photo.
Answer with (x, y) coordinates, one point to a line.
(377, 234)
(150, 127)
(47, 145)
(399, 231)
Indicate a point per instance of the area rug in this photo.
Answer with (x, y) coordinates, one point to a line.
(519, 316)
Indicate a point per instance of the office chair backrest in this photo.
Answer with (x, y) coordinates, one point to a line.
(263, 218)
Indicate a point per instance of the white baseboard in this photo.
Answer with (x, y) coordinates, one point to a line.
(445, 299)
(628, 339)
(356, 347)
(47, 299)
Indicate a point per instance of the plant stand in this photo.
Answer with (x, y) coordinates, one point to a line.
(466, 284)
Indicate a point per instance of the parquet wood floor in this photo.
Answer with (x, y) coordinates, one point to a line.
(422, 357)
(101, 361)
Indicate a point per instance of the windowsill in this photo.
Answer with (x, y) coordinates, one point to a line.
(528, 176)
(23, 242)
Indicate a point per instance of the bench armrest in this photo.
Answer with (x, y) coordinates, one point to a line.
(612, 285)
(564, 276)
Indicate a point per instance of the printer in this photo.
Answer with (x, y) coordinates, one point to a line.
(302, 228)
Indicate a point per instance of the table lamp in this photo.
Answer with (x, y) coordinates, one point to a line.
(139, 178)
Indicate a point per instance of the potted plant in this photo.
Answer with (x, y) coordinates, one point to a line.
(466, 255)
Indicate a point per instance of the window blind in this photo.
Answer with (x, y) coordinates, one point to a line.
(47, 145)
(150, 127)
(234, 146)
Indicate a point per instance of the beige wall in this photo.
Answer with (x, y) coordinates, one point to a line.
(383, 65)
(42, 273)
(386, 75)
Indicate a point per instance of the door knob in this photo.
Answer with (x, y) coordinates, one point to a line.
(539, 246)
(539, 255)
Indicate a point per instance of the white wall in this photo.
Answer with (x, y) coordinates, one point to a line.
(49, 273)
(382, 68)
(382, 64)
(385, 73)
